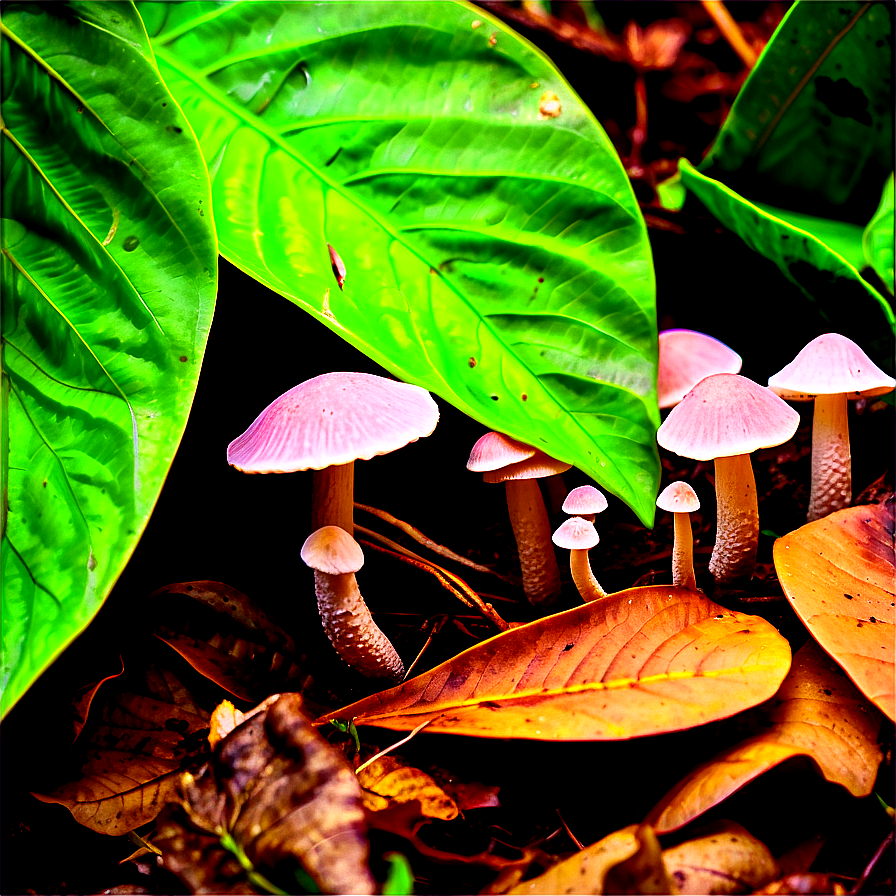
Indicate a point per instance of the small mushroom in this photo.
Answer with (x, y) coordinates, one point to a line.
(502, 459)
(686, 357)
(585, 501)
(832, 370)
(724, 418)
(335, 557)
(681, 500)
(327, 423)
(578, 536)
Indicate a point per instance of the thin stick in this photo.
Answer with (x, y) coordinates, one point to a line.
(456, 585)
(572, 836)
(435, 627)
(427, 542)
(404, 740)
(730, 31)
(863, 877)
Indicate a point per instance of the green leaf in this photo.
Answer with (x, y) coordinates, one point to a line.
(494, 255)
(845, 301)
(878, 238)
(108, 277)
(812, 127)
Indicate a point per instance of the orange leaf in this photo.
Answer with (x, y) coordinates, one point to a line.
(642, 661)
(389, 780)
(838, 575)
(818, 713)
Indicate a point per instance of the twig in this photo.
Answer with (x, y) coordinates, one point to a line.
(456, 585)
(427, 542)
(435, 627)
(863, 877)
(571, 835)
(730, 31)
(404, 740)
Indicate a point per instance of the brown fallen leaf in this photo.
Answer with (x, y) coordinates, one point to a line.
(82, 700)
(584, 872)
(806, 884)
(818, 713)
(642, 661)
(838, 574)
(136, 749)
(226, 637)
(389, 780)
(275, 802)
(643, 872)
(724, 858)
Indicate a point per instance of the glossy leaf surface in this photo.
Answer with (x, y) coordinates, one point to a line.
(879, 236)
(639, 662)
(838, 575)
(814, 120)
(842, 299)
(493, 254)
(108, 278)
(817, 713)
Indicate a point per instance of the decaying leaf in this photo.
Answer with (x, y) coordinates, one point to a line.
(136, 750)
(642, 661)
(838, 574)
(724, 858)
(642, 872)
(226, 637)
(584, 872)
(83, 699)
(389, 780)
(807, 884)
(225, 717)
(818, 713)
(274, 803)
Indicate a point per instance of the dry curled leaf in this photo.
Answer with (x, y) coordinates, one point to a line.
(275, 797)
(642, 872)
(724, 858)
(137, 745)
(818, 713)
(838, 574)
(642, 661)
(806, 884)
(389, 780)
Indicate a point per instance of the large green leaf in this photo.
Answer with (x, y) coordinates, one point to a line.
(494, 254)
(108, 276)
(812, 128)
(878, 237)
(844, 300)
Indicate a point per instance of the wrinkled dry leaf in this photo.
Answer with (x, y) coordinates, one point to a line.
(644, 871)
(226, 637)
(807, 884)
(225, 717)
(838, 574)
(286, 798)
(724, 858)
(818, 713)
(83, 699)
(642, 661)
(389, 780)
(467, 794)
(136, 749)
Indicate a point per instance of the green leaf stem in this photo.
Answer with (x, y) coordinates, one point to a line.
(108, 281)
(494, 250)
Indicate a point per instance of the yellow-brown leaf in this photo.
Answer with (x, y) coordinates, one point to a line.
(818, 713)
(838, 574)
(642, 661)
(389, 780)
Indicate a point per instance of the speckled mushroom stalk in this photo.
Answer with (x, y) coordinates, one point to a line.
(578, 535)
(679, 499)
(737, 520)
(335, 557)
(831, 485)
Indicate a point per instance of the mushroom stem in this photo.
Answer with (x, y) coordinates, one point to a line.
(580, 567)
(351, 629)
(532, 531)
(683, 553)
(737, 520)
(332, 495)
(831, 487)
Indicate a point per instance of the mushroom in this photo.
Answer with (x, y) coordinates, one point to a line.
(502, 459)
(327, 423)
(680, 499)
(831, 369)
(585, 501)
(578, 535)
(724, 418)
(335, 557)
(686, 357)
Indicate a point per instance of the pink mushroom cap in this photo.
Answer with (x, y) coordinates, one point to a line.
(678, 497)
(576, 534)
(686, 357)
(585, 499)
(334, 418)
(495, 450)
